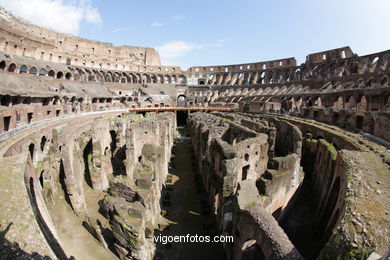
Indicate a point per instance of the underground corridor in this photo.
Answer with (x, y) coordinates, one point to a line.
(185, 208)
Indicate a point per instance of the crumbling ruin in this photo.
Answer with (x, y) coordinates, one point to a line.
(102, 147)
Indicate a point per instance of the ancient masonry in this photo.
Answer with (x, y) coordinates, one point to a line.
(290, 160)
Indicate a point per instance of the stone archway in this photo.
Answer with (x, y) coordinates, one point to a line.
(181, 100)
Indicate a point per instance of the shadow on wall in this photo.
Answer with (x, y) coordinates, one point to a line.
(51, 240)
(9, 250)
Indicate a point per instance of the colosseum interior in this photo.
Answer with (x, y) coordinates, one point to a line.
(103, 147)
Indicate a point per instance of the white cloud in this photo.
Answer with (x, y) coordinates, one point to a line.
(177, 49)
(156, 24)
(60, 15)
(179, 17)
(119, 29)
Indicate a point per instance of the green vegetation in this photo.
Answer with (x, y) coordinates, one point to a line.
(225, 121)
(169, 178)
(331, 148)
(312, 141)
(251, 204)
(376, 163)
(133, 241)
(359, 253)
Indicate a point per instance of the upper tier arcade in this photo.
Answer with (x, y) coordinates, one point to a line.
(19, 37)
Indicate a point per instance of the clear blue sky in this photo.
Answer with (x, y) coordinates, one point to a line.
(220, 31)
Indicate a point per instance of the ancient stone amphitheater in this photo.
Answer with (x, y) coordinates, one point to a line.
(102, 148)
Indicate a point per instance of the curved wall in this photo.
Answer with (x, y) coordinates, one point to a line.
(22, 38)
(72, 162)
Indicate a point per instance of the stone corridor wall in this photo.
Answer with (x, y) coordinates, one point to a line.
(102, 155)
(281, 157)
(236, 158)
(329, 183)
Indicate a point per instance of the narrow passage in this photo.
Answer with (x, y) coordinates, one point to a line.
(185, 203)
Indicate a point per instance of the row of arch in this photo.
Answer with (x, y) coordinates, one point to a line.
(329, 87)
(35, 71)
(88, 75)
(247, 78)
(323, 71)
(8, 100)
(356, 100)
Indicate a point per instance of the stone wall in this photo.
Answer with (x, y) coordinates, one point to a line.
(375, 123)
(328, 177)
(25, 39)
(101, 155)
(241, 170)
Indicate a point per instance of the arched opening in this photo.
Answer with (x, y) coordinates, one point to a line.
(167, 79)
(51, 73)
(63, 184)
(87, 156)
(309, 102)
(31, 148)
(68, 76)
(43, 143)
(318, 102)
(181, 118)
(362, 106)
(23, 69)
(108, 78)
(60, 75)
(6, 123)
(118, 156)
(12, 67)
(153, 79)
(343, 56)
(42, 72)
(245, 171)
(339, 103)
(30, 117)
(41, 178)
(181, 100)
(113, 145)
(182, 79)
(351, 104)
(2, 65)
(33, 71)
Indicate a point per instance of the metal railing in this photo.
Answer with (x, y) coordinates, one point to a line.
(16, 130)
(182, 108)
(19, 129)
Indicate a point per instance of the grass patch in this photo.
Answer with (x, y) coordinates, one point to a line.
(332, 150)
(225, 121)
(251, 204)
(376, 164)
